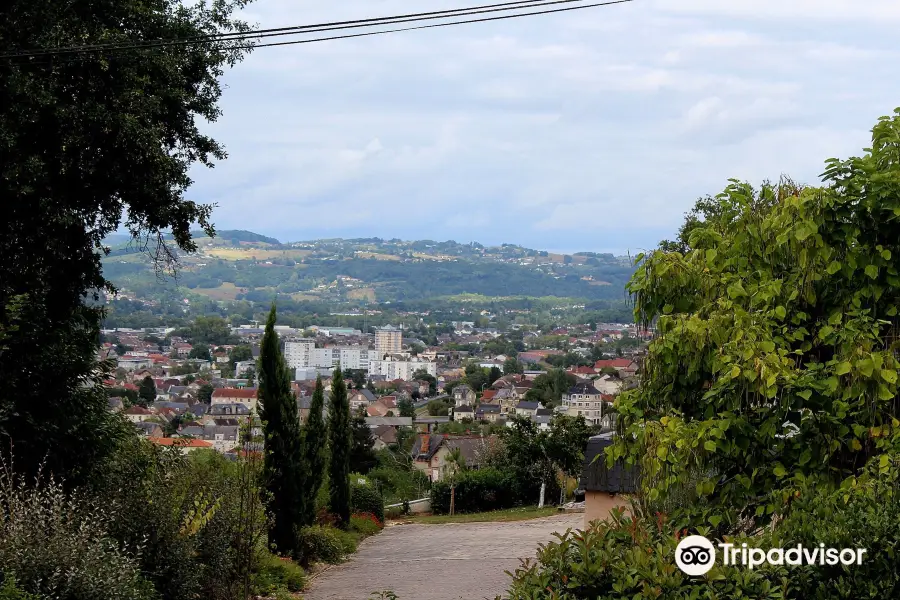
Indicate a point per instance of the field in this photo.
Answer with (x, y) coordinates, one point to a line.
(226, 291)
(250, 253)
(367, 294)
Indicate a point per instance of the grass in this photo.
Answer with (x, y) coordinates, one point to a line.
(523, 513)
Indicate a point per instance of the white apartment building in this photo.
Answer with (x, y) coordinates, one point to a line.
(401, 369)
(297, 353)
(388, 340)
(349, 357)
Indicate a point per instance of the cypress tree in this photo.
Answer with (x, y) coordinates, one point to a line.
(147, 391)
(315, 451)
(339, 438)
(283, 465)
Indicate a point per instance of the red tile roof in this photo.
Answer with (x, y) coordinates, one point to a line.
(138, 410)
(614, 363)
(488, 394)
(181, 442)
(234, 393)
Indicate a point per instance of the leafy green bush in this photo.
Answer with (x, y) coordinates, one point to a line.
(365, 524)
(9, 590)
(189, 550)
(863, 516)
(318, 544)
(477, 491)
(629, 558)
(349, 541)
(58, 545)
(276, 574)
(365, 499)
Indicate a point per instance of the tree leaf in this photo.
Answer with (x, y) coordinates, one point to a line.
(889, 375)
(842, 368)
(872, 271)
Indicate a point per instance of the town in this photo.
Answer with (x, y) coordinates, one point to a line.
(173, 387)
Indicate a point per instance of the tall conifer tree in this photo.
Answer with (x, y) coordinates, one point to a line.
(283, 466)
(315, 451)
(340, 439)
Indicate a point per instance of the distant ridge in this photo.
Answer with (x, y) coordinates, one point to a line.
(239, 235)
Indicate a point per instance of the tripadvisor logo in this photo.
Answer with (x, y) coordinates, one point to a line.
(696, 555)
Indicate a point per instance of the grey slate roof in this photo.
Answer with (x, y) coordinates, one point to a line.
(597, 477)
(584, 389)
(527, 405)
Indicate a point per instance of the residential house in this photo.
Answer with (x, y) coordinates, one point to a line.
(463, 412)
(385, 436)
(488, 412)
(245, 396)
(182, 348)
(608, 384)
(223, 438)
(463, 395)
(527, 408)
(586, 400)
(619, 364)
(605, 488)
(488, 395)
(149, 429)
(137, 414)
(186, 445)
(392, 421)
(228, 410)
(360, 399)
(431, 453)
(115, 404)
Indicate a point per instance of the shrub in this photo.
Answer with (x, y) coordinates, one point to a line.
(318, 544)
(276, 574)
(58, 545)
(365, 523)
(477, 491)
(9, 590)
(629, 558)
(364, 499)
(349, 541)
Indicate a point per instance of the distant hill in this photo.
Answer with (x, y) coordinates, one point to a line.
(242, 265)
(239, 235)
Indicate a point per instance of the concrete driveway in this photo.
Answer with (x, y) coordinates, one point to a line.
(438, 562)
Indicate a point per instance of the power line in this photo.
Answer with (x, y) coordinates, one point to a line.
(265, 32)
(260, 34)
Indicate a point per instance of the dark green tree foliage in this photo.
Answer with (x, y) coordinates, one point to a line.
(147, 391)
(200, 351)
(315, 451)
(512, 366)
(362, 453)
(284, 469)
(204, 394)
(240, 353)
(340, 439)
(406, 408)
(550, 387)
(84, 140)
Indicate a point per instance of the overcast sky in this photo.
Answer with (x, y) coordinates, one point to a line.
(590, 130)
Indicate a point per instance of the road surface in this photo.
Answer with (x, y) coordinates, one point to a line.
(438, 562)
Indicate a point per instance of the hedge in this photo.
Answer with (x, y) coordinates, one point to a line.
(480, 491)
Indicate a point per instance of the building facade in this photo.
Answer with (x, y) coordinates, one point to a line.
(388, 340)
(401, 369)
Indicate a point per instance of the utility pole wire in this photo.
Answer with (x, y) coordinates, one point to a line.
(50, 53)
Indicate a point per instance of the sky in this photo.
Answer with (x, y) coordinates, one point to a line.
(591, 130)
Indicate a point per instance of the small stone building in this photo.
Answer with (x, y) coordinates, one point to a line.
(604, 487)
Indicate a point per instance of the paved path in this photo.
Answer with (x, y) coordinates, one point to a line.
(438, 562)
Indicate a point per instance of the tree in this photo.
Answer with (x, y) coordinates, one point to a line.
(423, 375)
(476, 376)
(362, 452)
(340, 438)
(437, 408)
(68, 177)
(147, 391)
(200, 351)
(775, 363)
(240, 354)
(512, 366)
(283, 466)
(406, 408)
(315, 450)
(204, 394)
(549, 388)
(493, 375)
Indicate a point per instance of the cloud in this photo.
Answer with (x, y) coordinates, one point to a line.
(588, 130)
